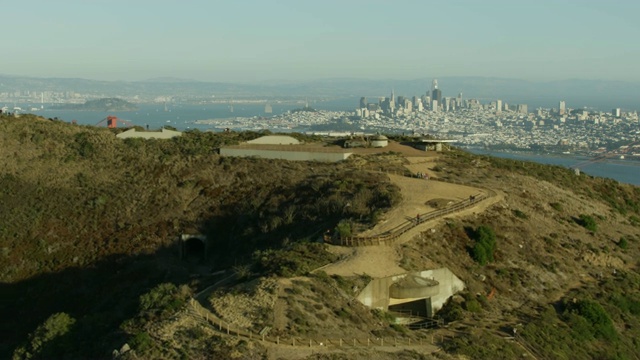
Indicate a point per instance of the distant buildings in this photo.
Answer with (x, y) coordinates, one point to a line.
(562, 108)
(616, 112)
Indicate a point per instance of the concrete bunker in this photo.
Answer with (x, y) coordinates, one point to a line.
(417, 295)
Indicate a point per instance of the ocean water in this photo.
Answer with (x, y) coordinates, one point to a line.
(626, 171)
(182, 116)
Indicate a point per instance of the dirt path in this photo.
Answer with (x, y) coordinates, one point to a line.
(419, 196)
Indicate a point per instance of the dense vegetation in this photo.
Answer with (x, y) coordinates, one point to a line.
(484, 246)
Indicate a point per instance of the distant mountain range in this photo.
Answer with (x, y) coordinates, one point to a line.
(600, 94)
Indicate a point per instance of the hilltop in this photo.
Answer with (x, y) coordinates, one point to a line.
(107, 104)
(91, 261)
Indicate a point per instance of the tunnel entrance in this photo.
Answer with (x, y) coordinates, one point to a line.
(193, 250)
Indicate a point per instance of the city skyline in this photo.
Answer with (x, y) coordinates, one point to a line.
(295, 41)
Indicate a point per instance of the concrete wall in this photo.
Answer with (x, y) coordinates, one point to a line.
(286, 155)
(449, 285)
(275, 140)
(164, 134)
(376, 294)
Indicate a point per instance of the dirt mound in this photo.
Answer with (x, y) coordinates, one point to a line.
(248, 305)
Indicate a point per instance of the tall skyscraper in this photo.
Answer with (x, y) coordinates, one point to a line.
(616, 112)
(436, 94)
(392, 101)
(498, 106)
(417, 103)
(562, 108)
(363, 102)
(401, 101)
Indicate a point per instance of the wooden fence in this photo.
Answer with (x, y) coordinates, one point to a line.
(206, 318)
(389, 236)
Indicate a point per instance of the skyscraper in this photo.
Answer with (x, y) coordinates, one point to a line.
(562, 108)
(498, 106)
(616, 112)
(401, 101)
(436, 94)
(363, 102)
(392, 101)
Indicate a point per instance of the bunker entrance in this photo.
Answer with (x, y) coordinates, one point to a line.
(194, 250)
(420, 308)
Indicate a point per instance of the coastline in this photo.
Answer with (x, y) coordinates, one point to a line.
(625, 171)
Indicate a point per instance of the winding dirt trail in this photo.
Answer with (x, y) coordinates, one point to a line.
(419, 196)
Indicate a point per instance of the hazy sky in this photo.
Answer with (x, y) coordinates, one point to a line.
(257, 40)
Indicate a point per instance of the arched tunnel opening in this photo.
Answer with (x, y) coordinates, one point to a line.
(194, 250)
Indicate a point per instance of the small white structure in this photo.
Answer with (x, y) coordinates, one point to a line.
(163, 134)
(275, 140)
(379, 141)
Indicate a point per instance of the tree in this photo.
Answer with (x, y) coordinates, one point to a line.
(49, 340)
(485, 246)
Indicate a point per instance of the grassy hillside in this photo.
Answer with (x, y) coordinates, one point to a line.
(90, 257)
(87, 216)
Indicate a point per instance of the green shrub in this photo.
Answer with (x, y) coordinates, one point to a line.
(623, 243)
(140, 342)
(520, 214)
(472, 305)
(588, 222)
(451, 311)
(600, 323)
(485, 245)
(296, 259)
(556, 206)
(163, 299)
(344, 228)
(49, 340)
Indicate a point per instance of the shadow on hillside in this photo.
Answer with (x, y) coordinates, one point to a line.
(100, 297)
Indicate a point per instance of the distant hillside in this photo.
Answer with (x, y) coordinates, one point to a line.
(600, 94)
(108, 104)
